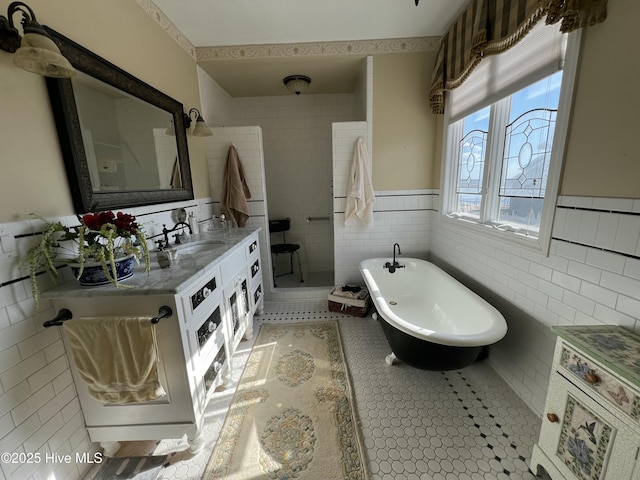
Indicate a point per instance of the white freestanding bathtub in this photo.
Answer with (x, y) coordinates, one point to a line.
(431, 320)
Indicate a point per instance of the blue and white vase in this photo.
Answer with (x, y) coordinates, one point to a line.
(93, 274)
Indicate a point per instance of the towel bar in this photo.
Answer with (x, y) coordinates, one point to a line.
(163, 312)
(65, 314)
(317, 219)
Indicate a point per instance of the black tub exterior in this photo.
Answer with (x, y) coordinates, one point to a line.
(427, 355)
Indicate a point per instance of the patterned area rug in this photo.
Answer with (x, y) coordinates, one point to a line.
(293, 414)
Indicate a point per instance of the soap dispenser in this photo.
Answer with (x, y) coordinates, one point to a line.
(164, 258)
(223, 222)
(193, 223)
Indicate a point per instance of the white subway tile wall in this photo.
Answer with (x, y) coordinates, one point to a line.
(297, 146)
(398, 216)
(248, 142)
(591, 276)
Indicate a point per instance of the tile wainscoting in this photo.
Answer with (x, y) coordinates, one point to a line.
(401, 216)
(591, 276)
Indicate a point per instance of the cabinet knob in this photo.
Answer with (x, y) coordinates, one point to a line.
(591, 378)
(552, 417)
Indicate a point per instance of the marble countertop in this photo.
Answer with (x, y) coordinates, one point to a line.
(186, 269)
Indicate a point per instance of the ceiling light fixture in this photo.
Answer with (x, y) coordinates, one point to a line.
(297, 83)
(36, 52)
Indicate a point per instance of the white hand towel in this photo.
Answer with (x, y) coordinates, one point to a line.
(360, 196)
(117, 357)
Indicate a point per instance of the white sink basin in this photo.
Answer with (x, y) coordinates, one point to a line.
(200, 246)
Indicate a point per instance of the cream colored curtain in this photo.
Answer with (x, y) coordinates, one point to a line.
(489, 27)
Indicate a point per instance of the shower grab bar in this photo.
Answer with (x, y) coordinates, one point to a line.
(317, 219)
(65, 314)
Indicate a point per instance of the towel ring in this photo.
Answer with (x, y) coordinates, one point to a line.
(65, 314)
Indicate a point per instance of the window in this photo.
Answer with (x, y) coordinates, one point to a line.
(502, 157)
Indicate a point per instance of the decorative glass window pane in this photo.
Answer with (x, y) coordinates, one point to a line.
(527, 153)
(525, 167)
(471, 163)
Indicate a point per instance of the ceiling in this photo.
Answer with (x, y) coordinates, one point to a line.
(224, 23)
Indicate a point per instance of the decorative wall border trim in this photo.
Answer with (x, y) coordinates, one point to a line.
(281, 50)
(167, 25)
(602, 249)
(603, 210)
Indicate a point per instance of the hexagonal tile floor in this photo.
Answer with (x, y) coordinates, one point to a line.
(417, 425)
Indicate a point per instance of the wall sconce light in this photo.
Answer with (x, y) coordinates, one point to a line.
(36, 52)
(200, 130)
(297, 83)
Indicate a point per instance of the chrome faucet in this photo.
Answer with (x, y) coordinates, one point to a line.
(166, 232)
(393, 266)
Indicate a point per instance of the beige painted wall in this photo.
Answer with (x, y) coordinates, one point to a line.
(603, 158)
(404, 130)
(33, 178)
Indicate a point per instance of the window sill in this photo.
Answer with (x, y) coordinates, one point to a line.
(536, 244)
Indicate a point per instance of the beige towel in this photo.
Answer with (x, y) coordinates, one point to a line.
(117, 357)
(235, 191)
(360, 196)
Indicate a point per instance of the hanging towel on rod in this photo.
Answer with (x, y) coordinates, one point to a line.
(117, 357)
(360, 196)
(235, 191)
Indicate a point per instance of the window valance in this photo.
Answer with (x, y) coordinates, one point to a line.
(489, 27)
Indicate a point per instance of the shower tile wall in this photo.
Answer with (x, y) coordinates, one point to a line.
(297, 150)
(248, 142)
(401, 216)
(591, 276)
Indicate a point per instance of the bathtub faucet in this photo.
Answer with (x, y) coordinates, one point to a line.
(392, 266)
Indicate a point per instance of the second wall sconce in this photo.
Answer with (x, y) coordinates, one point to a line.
(36, 52)
(201, 129)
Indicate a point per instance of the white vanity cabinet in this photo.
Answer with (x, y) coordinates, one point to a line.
(234, 273)
(209, 295)
(591, 424)
(254, 275)
(205, 336)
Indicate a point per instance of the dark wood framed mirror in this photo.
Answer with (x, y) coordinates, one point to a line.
(124, 143)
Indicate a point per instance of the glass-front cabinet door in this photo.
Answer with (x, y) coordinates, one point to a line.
(238, 307)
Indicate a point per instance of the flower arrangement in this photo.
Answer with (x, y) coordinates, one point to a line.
(101, 237)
